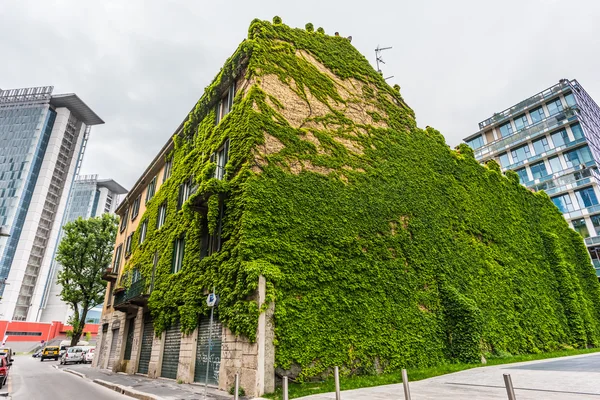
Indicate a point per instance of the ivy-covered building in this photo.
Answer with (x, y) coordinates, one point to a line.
(335, 231)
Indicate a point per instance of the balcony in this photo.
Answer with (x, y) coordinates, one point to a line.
(525, 104)
(109, 275)
(133, 297)
(527, 133)
(592, 241)
(565, 182)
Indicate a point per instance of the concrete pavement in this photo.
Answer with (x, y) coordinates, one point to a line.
(568, 378)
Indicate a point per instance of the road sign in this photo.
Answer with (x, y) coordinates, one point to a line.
(212, 300)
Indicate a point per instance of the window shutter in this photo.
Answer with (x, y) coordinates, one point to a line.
(182, 247)
(174, 256)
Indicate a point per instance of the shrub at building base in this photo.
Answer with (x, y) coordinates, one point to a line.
(381, 247)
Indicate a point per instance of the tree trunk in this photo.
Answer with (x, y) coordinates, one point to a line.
(78, 327)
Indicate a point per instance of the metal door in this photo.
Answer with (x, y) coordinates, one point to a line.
(129, 339)
(146, 349)
(113, 348)
(203, 359)
(170, 360)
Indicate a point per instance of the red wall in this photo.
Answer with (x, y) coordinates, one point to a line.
(48, 330)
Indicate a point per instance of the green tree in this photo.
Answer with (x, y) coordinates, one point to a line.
(84, 253)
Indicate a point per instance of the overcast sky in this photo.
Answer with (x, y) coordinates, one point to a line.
(142, 64)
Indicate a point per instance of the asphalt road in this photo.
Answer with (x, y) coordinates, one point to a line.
(31, 379)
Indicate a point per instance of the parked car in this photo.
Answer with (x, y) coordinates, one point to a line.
(63, 350)
(8, 353)
(4, 368)
(73, 355)
(37, 353)
(89, 355)
(50, 352)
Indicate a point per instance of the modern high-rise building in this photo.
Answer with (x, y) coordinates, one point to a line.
(90, 197)
(552, 141)
(42, 141)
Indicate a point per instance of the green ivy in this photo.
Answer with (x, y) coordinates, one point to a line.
(406, 253)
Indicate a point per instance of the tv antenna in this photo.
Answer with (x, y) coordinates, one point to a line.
(378, 60)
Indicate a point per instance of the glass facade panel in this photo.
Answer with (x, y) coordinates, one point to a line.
(580, 226)
(580, 156)
(555, 164)
(554, 107)
(564, 203)
(586, 197)
(476, 143)
(560, 138)
(522, 172)
(521, 153)
(506, 129)
(538, 170)
(577, 131)
(521, 122)
(504, 161)
(537, 114)
(541, 146)
(570, 99)
(596, 222)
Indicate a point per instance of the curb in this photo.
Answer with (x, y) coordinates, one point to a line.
(79, 374)
(127, 391)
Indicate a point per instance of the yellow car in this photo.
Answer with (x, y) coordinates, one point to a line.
(50, 352)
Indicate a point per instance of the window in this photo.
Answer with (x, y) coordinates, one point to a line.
(135, 209)
(143, 231)
(178, 250)
(577, 132)
(537, 115)
(168, 169)
(596, 222)
(154, 264)
(504, 161)
(563, 202)
(14, 333)
(162, 215)
(184, 193)
(538, 170)
(522, 172)
(225, 104)
(117, 261)
(580, 156)
(128, 245)
(580, 227)
(520, 153)
(221, 157)
(212, 243)
(541, 146)
(151, 190)
(124, 219)
(554, 107)
(586, 197)
(476, 143)
(521, 122)
(506, 130)
(560, 138)
(555, 164)
(570, 99)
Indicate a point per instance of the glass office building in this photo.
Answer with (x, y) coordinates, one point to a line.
(42, 141)
(552, 141)
(90, 197)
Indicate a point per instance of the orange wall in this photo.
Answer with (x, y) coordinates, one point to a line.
(48, 330)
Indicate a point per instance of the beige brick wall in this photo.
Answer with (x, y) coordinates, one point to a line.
(156, 356)
(187, 357)
(132, 365)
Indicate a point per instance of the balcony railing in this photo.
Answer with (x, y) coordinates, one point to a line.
(527, 133)
(524, 104)
(136, 294)
(109, 274)
(565, 182)
(594, 240)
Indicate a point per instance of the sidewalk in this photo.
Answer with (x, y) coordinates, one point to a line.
(140, 387)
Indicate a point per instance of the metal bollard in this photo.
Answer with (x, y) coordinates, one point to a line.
(336, 374)
(509, 387)
(236, 394)
(405, 384)
(285, 388)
